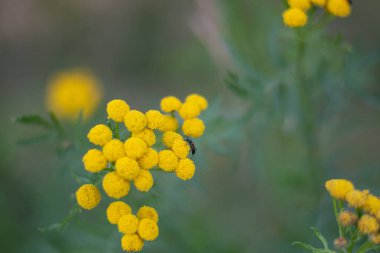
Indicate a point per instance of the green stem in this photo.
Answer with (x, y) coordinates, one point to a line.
(117, 135)
(365, 247)
(336, 211)
(307, 111)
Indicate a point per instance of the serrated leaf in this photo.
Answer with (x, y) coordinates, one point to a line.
(36, 120)
(305, 246)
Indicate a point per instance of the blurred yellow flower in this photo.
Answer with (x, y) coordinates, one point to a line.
(169, 124)
(320, 3)
(197, 99)
(294, 17)
(368, 224)
(338, 188)
(347, 218)
(70, 93)
(300, 4)
(189, 110)
(185, 169)
(193, 127)
(356, 198)
(169, 137)
(170, 104)
(339, 8)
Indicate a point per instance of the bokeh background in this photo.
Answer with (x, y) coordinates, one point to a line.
(254, 190)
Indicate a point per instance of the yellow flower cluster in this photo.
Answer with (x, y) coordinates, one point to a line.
(367, 207)
(72, 92)
(135, 228)
(126, 161)
(296, 14)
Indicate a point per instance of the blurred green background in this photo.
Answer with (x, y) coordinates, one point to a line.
(254, 186)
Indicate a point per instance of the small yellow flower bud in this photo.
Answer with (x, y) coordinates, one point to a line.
(193, 127)
(144, 181)
(117, 109)
(115, 186)
(131, 243)
(127, 167)
(347, 218)
(189, 110)
(338, 188)
(167, 160)
(113, 150)
(147, 212)
(135, 147)
(169, 137)
(185, 169)
(169, 124)
(155, 119)
(170, 104)
(148, 229)
(94, 161)
(339, 8)
(340, 243)
(199, 100)
(181, 148)
(99, 135)
(135, 121)
(294, 17)
(128, 224)
(117, 209)
(300, 4)
(149, 159)
(146, 135)
(368, 224)
(88, 196)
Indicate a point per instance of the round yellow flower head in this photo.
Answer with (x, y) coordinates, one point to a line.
(146, 135)
(135, 121)
(170, 104)
(320, 3)
(100, 135)
(115, 186)
(338, 188)
(147, 212)
(368, 224)
(185, 169)
(339, 8)
(113, 150)
(155, 119)
(300, 4)
(144, 181)
(72, 92)
(135, 147)
(189, 110)
(169, 124)
(294, 17)
(94, 161)
(127, 168)
(347, 218)
(117, 209)
(88, 196)
(148, 229)
(149, 159)
(372, 204)
(167, 160)
(356, 198)
(128, 224)
(117, 109)
(375, 238)
(169, 137)
(199, 100)
(193, 127)
(132, 243)
(181, 148)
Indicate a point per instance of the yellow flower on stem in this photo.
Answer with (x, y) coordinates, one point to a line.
(131, 243)
(146, 135)
(181, 148)
(193, 127)
(94, 161)
(368, 224)
(135, 147)
(99, 135)
(169, 124)
(117, 209)
(113, 150)
(189, 110)
(294, 17)
(339, 8)
(128, 224)
(115, 186)
(147, 212)
(185, 169)
(149, 159)
(167, 160)
(117, 109)
(144, 181)
(338, 188)
(88, 196)
(198, 100)
(127, 167)
(148, 229)
(135, 121)
(155, 119)
(170, 104)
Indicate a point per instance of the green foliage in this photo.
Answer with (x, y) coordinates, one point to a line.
(321, 238)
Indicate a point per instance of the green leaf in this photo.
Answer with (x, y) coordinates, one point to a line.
(36, 120)
(232, 82)
(320, 237)
(305, 246)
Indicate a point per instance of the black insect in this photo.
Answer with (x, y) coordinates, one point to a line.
(193, 149)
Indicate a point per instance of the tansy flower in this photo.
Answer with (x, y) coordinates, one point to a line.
(294, 17)
(169, 137)
(193, 127)
(198, 100)
(117, 109)
(128, 224)
(144, 181)
(181, 148)
(300, 4)
(99, 135)
(94, 161)
(185, 169)
(356, 198)
(148, 229)
(135, 121)
(88, 196)
(170, 104)
(368, 224)
(73, 92)
(347, 218)
(169, 124)
(372, 204)
(340, 243)
(115, 186)
(339, 8)
(320, 3)
(113, 150)
(132, 243)
(117, 209)
(154, 119)
(149, 159)
(338, 188)
(167, 160)
(135, 147)
(189, 110)
(375, 238)
(146, 135)
(147, 212)
(127, 167)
